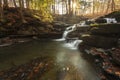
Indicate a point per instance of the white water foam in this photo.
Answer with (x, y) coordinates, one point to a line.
(66, 32)
(110, 20)
(73, 44)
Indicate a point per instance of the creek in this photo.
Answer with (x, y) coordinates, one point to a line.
(71, 65)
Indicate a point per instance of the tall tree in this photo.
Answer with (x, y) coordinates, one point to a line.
(21, 10)
(69, 4)
(5, 5)
(112, 5)
(27, 3)
(1, 10)
(14, 1)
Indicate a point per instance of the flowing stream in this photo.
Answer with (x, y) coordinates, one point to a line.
(70, 64)
(110, 20)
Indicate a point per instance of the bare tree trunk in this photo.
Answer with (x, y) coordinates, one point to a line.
(108, 5)
(103, 8)
(66, 6)
(93, 7)
(21, 11)
(5, 3)
(14, 1)
(112, 5)
(27, 4)
(22, 1)
(62, 7)
(1, 11)
(53, 7)
(69, 4)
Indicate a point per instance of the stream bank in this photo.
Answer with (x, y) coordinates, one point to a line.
(100, 40)
(12, 28)
(102, 43)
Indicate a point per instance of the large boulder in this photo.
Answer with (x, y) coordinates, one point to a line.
(99, 41)
(106, 29)
(100, 20)
(50, 36)
(60, 26)
(115, 14)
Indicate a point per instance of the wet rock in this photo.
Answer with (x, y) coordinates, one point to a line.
(115, 14)
(79, 31)
(99, 41)
(89, 22)
(106, 29)
(50, 35)
(59, 26)
(100, 20)
(106, 68)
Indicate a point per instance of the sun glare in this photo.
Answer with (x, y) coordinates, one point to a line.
(74, 5)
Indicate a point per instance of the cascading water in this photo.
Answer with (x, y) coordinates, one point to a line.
(73, 42)
(110, 20)
(68, 30)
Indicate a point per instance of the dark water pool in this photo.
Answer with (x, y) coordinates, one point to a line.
(70, 64)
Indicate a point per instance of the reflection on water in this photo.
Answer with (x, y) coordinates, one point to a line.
(69, 63)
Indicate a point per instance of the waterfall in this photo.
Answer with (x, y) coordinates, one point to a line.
(71, 43)
(68, 30)
(110, 20)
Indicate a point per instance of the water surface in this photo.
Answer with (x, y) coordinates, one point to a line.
(70, 65)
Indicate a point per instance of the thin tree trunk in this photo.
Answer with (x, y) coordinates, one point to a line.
(108, 5)
(22, 3)
(27, 4)
(66, 5)
(5, 3)
(62, 6)
(69, 4)
(21, 11)
(14, 1)
(93, 7)
(112, 5)
(1, 11)
(102, 7)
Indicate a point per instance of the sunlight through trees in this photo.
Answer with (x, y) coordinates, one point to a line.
(45, 8)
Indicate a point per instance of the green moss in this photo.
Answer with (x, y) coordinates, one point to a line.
(94, 25)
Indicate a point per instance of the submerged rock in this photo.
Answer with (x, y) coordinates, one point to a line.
(30, 71)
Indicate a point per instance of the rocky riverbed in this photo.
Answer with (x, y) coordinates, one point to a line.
(30, 71)
(102, 43)
(107, 64)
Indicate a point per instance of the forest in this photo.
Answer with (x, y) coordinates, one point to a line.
(59, 39)
(46, 8)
